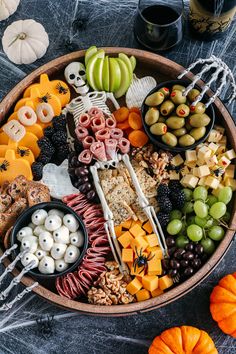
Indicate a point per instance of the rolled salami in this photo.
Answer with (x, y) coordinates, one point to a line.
(116, 133)
(102, 134)
(85, 120)
(81, 132)
(85, 156)
(98, 150)
(111, 147)
(95, 111)
(124, 145)
(98, 123)
(87, 141)
(111, 122)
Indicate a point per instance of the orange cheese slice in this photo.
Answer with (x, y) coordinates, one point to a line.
(11, 167)
(21, 152)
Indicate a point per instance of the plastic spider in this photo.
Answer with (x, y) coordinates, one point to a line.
(62, 90)
(45, 98)
(23, 152)
(218, 172)
(45, 325)
(141, 260)
(4, 165)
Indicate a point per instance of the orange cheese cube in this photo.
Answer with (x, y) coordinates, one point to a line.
(137, 222)
(156, 251)
(130, 265)
(127, 255)
(143, 295)
(150, 282)
(165, 282)
(137, 231)
(152, 240)
(138, 244)
(138, 271)
(156, 292)
(154, 267)
(147, 227)
(127, 224)
(118, 230)
(134, 286)
(125, 239)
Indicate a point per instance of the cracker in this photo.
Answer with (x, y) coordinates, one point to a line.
(104, 174)
(109, 184)
(122, 192)
(153, 202)
(121, 212)
(139, 211)
(150, 192)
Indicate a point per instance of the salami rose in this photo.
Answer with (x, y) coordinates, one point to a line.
(102, 134)
(87, 141)
(85, 156)
(98, 151)
(111, 147)
(111, 122)
(84, 120)
(81, 132)
(116, 133)
(124, 145)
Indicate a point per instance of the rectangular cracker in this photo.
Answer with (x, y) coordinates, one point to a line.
(121, 212)
(122, 192)
(109, 184)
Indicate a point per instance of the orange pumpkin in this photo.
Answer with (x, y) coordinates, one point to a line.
(183, 340)
(223, 304)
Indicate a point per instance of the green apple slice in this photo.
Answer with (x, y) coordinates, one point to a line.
(105, 74)
(125, 78)
(133, 62)
(115, 75)
(127, 62)
(89, 53)
(90, 68)
(97, 73)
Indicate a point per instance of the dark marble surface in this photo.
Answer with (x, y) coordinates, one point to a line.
(104, 23)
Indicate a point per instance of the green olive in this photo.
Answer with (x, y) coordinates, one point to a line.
(177, 97)
(169, 139)
(155, 99)
(151, 116)
(161, 119)
(186, 140)
(165, 91)
(188, 125)
(179, 132)
(199, 120)
(199, 108)
(178, 87)
(193, 94)
(158, 129)
(198, 133)
(167, 107)
(175, 122)
(182, 110)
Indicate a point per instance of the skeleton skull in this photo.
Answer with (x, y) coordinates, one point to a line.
(76, 76)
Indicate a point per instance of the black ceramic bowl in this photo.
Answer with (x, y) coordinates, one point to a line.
(156, 140)
(25, 218)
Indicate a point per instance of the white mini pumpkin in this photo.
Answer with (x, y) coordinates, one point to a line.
(7, 8)
(25, 41)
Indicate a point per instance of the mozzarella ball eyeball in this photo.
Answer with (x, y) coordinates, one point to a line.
(25, 231)
(39, 216)
(72, 254)
(53, 222)
(61, 265)
(58, 250)
(47, 265)
(30, 242)
(61, 235)
(27, 258)
(40, 253)
(77, 238)
(70, 222)
(56, 212)
(39, 229)
(45, 241)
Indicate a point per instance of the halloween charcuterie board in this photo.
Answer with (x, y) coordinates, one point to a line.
(111, 135)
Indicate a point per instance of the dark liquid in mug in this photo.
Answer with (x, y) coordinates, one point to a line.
(159, 38)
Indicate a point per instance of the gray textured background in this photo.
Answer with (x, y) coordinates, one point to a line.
(105, 23)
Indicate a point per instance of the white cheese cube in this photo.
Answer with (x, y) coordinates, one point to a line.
(224, 162)
(189, 181)
(212, 182)
(201, 181)
(221, 150)
(174, 175)
(219, 128)
(203, 171)
(190, 155)
(229, 172)
(190, 164)
(185, 170)
(214, 136)
(230, 154)
(213, 147)
(230, 182)
(204, 153)
(177, 160)
(195, 171)
(211, 161)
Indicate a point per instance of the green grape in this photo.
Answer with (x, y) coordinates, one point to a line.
(187, 208)
(181, 241)
(200, 193)
(174, 227)
(194, 232)
(226, 217)
(218, 210)
(175, 214)
(216, 233)
(212, 199)
(200, 209)
(200, 221)
(210, 222)
(208, 245)
(191, 220)
(188, 194)
(225, 195)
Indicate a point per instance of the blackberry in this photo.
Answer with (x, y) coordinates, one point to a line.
(178, 199)
(59, 122)
(62, 152)
(46, 146)
(59, 138)
(163, 190)
(37, 170)
(44, 159)
(165, 204)
(174, 186)
(163, 219)
(48, 132)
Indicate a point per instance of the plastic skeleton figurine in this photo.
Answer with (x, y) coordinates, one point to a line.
(4, 294)
(220, 69)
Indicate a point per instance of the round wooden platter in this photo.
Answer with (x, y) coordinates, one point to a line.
(162, 69)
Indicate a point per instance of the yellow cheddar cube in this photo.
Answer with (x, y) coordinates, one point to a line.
(156, 292)
(134, 286)
(138, 244)
(125, 239)
(150, 282)
(173, 175)
(152, 240)
(230, 154)
(191, 164)
(137, 231)
(127, 255)
(177, 160)
(118, 230)
(203, 171)
(190, 155)
(143, 295)
(212, 182)
(213, 148)
(189, 181)
(138, 271)
(154, 267)
(127, 224)
(165, 282)
(230, 182)
(229, 172)
(147, 227)
(202, 181)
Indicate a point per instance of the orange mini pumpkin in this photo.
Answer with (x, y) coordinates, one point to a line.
(223, 304)
(183, 340)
